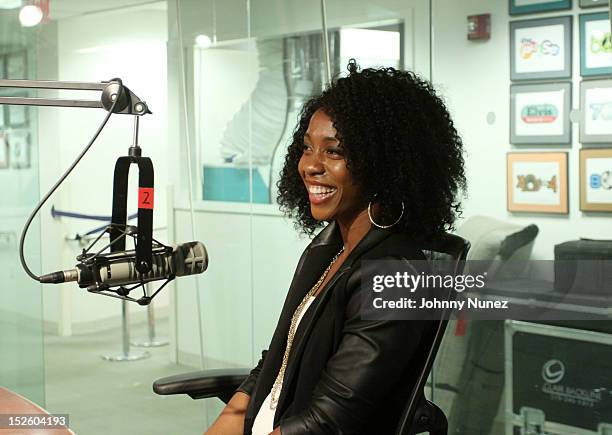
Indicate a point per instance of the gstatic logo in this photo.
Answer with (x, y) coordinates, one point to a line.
(539, 114)
(530, 46)
(553, 371)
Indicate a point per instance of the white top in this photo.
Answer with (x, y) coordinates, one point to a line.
(264, 420)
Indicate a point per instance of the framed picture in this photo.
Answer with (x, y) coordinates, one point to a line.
(595, 44)
(593, 3)
(596, 111)
(537, 182)
(19, 149)
(541, 49)
(4, 151)
(596, 179)
(518, 7)
(539, 113)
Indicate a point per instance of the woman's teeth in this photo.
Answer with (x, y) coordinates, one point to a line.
(321, 191)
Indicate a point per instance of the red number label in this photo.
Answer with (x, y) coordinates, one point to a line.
(145, 197)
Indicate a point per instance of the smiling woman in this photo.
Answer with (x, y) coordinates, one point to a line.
(377, 157)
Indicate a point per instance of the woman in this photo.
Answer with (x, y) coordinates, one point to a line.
(377, 156)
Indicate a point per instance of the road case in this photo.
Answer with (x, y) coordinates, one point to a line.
(558, 380)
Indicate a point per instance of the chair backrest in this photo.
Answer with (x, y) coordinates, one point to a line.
(448, 247)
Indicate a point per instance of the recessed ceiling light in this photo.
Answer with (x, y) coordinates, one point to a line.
(30, 15)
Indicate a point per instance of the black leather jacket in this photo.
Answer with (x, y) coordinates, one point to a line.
(345, 375)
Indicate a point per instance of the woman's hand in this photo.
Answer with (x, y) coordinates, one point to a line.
(276, 431)
(231, 419)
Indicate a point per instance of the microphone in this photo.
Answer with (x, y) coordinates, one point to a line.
(119, 268)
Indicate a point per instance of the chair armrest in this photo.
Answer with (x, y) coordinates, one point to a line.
(219, 383)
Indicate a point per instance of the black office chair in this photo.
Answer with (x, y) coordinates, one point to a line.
(419, 415)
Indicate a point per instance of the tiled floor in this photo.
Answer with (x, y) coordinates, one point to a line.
(104, 397)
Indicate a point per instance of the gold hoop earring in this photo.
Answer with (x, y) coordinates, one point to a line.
(383, 226)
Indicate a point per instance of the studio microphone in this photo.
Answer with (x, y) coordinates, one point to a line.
(119, 268)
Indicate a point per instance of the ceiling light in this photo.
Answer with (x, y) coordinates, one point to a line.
(30, 15)
(203, 41)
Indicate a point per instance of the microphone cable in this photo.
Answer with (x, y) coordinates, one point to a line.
(61, 180)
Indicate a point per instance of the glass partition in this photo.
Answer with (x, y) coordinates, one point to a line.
(21, 328)
(212, 71)
(83, 42)
(248, 69)
(89, 373)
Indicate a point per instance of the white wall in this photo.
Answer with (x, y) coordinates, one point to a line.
(129, 44)
(474, 78)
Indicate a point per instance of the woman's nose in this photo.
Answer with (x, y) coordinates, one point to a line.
(314, 164)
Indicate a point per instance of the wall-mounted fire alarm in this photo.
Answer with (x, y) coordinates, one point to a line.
(479, 27)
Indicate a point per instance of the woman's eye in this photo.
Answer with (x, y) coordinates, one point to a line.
(306, 147)
(335, 151)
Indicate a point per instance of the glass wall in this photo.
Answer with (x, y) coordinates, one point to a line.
(246, 89)
(21, 329)
(249, 67)
(81, 42)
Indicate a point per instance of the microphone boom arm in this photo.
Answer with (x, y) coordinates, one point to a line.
(128, 104)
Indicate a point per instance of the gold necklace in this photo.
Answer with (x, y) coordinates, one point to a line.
(274, 396)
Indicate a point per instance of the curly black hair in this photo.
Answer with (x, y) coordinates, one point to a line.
(401, 146)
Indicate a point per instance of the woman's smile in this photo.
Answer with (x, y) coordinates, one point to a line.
(319, 193)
